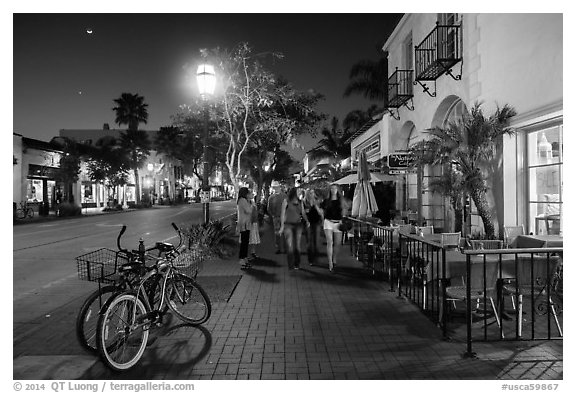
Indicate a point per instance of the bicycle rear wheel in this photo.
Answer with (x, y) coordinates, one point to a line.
(121, 334)
(87, 319)
(188, 300)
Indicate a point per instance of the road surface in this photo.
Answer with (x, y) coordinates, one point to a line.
(45, 274)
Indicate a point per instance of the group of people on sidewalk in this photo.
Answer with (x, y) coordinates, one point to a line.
(293, 213)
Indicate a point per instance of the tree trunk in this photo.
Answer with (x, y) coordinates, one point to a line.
(481, 202)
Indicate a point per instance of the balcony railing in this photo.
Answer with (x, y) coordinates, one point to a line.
(400, 88)
(438, 52)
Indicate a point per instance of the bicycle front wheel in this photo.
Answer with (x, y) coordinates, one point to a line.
(188, 300)
(122, 334)
(87, 319)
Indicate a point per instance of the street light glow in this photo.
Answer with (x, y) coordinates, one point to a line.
(206, 78)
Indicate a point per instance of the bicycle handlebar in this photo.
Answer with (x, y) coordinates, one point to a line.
(118, 239)
(179, 235)
(151, 248)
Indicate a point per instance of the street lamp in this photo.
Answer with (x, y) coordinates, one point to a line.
(206, 78)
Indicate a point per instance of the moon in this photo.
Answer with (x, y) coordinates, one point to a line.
(89, 31)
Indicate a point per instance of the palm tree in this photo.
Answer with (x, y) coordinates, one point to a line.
(334, 145)
(369, 78)
(469, 145)
(357, 118)
(131, 110)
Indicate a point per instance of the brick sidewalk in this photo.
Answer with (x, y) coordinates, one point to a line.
(307, 324)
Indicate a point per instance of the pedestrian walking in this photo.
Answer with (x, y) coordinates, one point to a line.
(244, 224)
(333, 209)
(274, 209)
(254, 232)
(312, 209)
(292, 221)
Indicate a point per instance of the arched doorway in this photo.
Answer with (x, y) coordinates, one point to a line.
(436, 209)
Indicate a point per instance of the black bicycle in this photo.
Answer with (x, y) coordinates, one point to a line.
(125, 320)
(119, 271)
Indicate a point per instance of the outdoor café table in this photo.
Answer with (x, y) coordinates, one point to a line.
(537, 241)
(456, 268)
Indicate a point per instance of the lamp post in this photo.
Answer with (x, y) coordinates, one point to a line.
(206, 78)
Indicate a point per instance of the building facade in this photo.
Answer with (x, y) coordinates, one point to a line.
(34, 173)
(440, 65)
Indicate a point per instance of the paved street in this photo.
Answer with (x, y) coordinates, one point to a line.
(282, 324)
(45, 274)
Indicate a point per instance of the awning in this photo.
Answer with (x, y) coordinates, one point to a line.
(375, 177)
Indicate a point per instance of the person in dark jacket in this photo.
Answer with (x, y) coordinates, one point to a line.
(244, 223)
(312, 209)
(291, 224)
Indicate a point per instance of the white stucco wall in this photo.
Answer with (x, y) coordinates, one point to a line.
(511, 59)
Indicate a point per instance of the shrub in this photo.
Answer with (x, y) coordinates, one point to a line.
(205, 238)
(67, 209)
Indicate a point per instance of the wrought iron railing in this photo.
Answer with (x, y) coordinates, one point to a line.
(400, 88)
(528, 280)
(473, 295)
(439, 51)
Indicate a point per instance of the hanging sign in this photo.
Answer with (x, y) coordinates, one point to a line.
(400, 160)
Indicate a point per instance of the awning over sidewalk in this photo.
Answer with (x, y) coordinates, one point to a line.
(375, 177)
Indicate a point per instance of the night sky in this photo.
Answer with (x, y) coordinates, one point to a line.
(66, 78)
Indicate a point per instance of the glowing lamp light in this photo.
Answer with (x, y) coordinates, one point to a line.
(206, 78)
(150, 167)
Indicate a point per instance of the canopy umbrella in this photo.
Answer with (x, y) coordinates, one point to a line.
(375, 177)
(363, 203)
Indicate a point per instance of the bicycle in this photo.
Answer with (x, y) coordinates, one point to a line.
(24, 211)
(119, 270)
(125, 320)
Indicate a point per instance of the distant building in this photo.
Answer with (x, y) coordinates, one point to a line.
(34, 172)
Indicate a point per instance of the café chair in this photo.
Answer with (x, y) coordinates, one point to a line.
(487, 244)
(457, 293)
(511, 233)
(427, 230)
(450, 240)
(522, 286)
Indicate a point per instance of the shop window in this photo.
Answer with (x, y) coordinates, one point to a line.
(545, 180)
(35, 190)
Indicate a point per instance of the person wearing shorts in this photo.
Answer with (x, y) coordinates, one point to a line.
(333, 209)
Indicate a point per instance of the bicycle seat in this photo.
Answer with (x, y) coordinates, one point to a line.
(164, 247)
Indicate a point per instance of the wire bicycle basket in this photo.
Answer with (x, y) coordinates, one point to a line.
(189, 262)
(100, 265)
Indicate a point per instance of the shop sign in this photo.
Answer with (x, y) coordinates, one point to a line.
(400, 161)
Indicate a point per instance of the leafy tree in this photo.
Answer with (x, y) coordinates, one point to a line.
(190, 140)
(107, 164)
(131, 110)
(254, 102)
(469, 146)
(70, 161)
